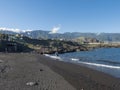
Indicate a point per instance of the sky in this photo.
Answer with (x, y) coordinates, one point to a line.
(61, 15)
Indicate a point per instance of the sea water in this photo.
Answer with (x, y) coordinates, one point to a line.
(106, 60)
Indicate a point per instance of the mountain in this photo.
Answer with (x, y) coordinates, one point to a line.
(40, 34)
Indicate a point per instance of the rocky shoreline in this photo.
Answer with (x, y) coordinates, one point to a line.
(84, 47)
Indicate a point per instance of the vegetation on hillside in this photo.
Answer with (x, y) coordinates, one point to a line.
(18, 42)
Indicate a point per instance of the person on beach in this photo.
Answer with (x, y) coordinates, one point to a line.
(56, 54)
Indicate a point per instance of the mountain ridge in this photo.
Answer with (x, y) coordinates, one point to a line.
(41, 34)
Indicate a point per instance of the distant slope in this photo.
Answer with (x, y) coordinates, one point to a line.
(40, 34)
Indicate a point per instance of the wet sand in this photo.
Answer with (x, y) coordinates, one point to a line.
(82, 77)
(16, 70)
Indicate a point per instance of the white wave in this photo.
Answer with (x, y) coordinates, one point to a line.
(51, 56)
(101, 65)
(74, 59)
(86, 63)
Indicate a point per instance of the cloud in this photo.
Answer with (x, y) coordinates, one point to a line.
(55, 29)
(13, 30)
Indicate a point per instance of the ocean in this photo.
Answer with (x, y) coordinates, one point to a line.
(106, 60)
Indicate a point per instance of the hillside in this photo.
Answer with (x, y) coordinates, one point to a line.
(39, 34)
(20, 43)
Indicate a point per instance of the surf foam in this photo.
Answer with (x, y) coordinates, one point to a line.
(86, 63)
(74, 59)
(100, 65)
(53, 57)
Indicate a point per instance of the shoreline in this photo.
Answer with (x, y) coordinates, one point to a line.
(101, 67)
(81, 76)
(50, 74)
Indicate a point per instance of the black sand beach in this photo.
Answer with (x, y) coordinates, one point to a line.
(17, 71)
(20, 71)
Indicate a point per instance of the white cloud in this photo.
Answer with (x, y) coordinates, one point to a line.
(13, 30)
(55, 29)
